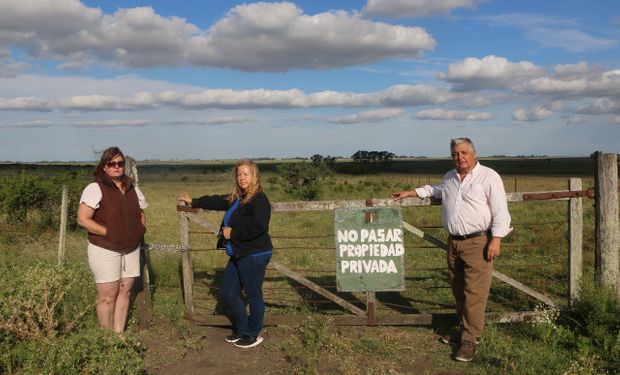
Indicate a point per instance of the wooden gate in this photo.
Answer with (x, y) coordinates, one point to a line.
(368, 316)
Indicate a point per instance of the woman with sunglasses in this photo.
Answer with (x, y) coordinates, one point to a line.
(111, 211)
(244, 234)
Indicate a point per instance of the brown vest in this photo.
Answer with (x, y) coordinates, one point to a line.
(120, 214)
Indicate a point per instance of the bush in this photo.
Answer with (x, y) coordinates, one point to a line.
(90, 351)
(48, 324)
(21, 194)
(582, 340)
(75, 182)
(44, 301)
(596, 321)
(26, 198)
(303, 180)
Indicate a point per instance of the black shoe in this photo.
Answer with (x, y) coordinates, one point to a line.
(249, 341)
(233, 338)
(449, 339)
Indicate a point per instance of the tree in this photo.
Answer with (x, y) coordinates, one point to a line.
(370, 161)
(303, 180)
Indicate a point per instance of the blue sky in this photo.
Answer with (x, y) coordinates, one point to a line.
(226, 79)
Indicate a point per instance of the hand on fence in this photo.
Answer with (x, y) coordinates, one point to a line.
(185, 198)
(399, 195)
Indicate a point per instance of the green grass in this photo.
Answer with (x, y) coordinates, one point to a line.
(535, 254)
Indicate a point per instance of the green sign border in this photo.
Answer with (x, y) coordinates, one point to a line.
(355, 219)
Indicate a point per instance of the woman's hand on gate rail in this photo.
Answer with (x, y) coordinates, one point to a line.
(185, 198)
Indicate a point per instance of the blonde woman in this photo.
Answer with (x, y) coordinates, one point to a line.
(244, 234)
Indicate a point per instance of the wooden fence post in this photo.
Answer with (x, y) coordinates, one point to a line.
(142, 284)
(575, 243)
(63, 226)
(371, 298)
(607, 230)
(186, 264)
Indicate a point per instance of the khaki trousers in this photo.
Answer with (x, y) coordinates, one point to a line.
(470, 277)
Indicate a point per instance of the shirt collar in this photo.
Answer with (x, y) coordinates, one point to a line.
(472, 171)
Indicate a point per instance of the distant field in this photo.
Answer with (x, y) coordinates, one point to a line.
(565, 166)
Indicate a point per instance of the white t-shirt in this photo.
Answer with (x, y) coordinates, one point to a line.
(91, 196)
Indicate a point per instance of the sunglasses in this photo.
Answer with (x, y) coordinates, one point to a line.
(115, 164)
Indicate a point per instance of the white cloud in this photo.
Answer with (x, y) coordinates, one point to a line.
(279, 37)
(253, 37)
(576, 71)
(534, 114)
(616, 120)
(415, 8)
(601, 106)
(413, 95)
(552, 32)
(369, 116)
(576, 120)
(443, 114)
(70, 94)
(23, 104)
(212, 121)
(112, 123)
(604, 84)
(490, 72)
(538, 113)
(36, 123)
(10, 68)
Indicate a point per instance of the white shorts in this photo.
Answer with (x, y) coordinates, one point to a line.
(108, 266)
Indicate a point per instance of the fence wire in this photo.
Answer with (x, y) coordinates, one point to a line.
(169, 248)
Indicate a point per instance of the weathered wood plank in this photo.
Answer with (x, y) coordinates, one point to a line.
(575, 243)
(331, 205)
(607, 229)
(142, 284)
(143, 296)
(203, 223)
(382, 320)
(313, 286)
(186, 264)
(62, 236)
(496, 274)
(407, 202)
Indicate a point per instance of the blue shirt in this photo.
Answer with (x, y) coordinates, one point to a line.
(227, 215)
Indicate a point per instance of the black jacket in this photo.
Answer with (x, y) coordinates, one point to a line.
(249, 222)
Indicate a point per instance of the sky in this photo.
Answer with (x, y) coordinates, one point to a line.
(176, 80)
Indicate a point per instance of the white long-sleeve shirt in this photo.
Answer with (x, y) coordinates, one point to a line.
(476, 204)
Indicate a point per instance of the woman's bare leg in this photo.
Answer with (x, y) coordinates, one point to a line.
(122, 304)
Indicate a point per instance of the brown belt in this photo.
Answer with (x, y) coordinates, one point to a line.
(471, 235)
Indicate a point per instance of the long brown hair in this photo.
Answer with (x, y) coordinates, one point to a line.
(254, 186)
(107, 155)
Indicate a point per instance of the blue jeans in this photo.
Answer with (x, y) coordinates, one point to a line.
(246, 273)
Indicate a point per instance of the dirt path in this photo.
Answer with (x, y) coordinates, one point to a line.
(202, 350)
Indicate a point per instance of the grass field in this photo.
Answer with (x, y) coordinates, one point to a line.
(535, 253)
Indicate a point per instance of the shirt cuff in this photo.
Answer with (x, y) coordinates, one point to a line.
(500, 232)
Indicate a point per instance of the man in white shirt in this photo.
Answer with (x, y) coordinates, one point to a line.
(475, 213)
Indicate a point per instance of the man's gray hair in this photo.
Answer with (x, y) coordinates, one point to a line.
(458, 141)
